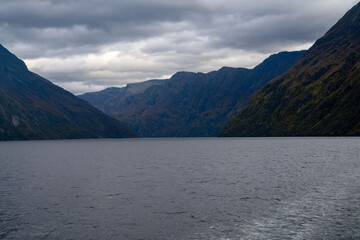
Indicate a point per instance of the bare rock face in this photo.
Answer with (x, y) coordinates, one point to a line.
(15, 120)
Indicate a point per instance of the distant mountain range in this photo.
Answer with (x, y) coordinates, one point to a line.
(318, 96)
(31, 107)
(189, 104)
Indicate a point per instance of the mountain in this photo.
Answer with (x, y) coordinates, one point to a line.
(31, 107)
(318, 96)
(189, 104)
(102, 99)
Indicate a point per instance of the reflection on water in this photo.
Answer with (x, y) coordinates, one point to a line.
(243, 188)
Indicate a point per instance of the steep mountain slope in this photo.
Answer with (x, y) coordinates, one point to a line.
(31, 107)
(190, 104)
(320, 95)
(102, 99)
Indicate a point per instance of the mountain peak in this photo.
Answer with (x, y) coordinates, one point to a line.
(9, 62)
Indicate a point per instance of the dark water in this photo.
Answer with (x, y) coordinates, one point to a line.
(249, 188)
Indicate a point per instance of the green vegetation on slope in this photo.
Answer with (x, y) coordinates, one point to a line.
(319, 96)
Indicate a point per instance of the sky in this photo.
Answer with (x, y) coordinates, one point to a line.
(89, 45)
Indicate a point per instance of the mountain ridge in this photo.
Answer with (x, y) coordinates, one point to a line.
(192, 104)
(318, 96)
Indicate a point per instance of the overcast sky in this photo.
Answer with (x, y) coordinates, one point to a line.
(88, 45)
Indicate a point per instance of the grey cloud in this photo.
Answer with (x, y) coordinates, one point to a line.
(60, 24)
(90, 13)
(257, 24)
(172, 35)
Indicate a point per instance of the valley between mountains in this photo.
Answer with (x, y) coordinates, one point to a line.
(312, 93)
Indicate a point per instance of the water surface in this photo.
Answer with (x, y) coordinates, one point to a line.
(240, 188)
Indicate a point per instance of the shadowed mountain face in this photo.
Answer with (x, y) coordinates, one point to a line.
(320, 95)
(31, 107)
(189, 104)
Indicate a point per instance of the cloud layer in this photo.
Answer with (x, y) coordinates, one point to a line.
(87, 45)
